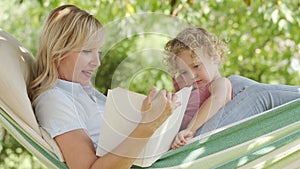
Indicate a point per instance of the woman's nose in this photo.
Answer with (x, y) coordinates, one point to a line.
(96, 60)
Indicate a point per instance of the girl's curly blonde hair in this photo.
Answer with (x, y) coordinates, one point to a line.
(197, 40)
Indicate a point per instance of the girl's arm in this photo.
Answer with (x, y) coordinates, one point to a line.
(220, 91)
(77, 147)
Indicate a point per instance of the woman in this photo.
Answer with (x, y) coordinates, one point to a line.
(66, 104)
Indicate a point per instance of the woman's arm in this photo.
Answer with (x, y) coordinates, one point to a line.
(78, 149)
(79, 152)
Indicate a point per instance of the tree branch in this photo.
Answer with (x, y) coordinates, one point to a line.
(177, 10)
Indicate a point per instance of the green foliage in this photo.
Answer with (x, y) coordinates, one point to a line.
(13, 155)
(263, 38)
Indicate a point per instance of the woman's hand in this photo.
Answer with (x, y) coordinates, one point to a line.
(181, 139)
(158, 107)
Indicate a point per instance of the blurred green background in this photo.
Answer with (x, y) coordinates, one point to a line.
(263, 37)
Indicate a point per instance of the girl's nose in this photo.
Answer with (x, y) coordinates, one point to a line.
(189, 79)
(193, 75)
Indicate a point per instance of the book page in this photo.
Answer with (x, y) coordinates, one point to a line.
(121, 116)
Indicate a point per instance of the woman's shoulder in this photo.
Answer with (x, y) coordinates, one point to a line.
(51, 95)
(61, 89)
(53, 92)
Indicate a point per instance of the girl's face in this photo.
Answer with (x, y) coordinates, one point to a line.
(194, 70)
(79, 66)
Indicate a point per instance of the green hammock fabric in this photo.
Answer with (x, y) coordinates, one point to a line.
(276, 131)
(243, 143)
(45, 156)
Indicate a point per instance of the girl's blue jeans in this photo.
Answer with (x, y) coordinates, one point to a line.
(249, 98)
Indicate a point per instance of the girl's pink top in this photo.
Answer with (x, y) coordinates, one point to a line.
(197, 97)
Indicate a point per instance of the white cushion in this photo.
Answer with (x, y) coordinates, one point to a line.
(16, 68)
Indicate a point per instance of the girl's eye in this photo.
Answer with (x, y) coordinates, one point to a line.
(196, 66)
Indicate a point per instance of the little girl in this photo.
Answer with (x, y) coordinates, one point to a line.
(194, 57)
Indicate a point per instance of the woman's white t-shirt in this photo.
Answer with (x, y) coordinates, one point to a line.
(69, 106)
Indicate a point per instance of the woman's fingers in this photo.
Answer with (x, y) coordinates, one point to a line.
(158, 107)
(170, 97)
(151, 93)
(147, 102)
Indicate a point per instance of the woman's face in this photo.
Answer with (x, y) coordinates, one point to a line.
(195, 71)
(79, 66)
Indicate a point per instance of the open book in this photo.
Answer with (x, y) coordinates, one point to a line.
(121, 116)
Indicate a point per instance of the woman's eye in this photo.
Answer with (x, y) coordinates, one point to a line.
(86, 51)
(100, 55)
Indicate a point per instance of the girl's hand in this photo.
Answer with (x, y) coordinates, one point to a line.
(157, 108)
(181, 139)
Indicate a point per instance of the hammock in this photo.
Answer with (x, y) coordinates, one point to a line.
(270, 139)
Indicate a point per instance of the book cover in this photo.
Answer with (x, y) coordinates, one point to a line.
(121, 116)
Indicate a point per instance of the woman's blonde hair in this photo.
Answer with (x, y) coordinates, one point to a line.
(67, 28)
(197, 40)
